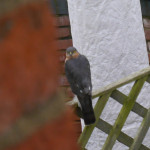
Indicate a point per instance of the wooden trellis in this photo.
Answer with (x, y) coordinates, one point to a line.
(129, 104)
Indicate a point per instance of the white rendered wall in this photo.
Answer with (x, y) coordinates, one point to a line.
(110, 34)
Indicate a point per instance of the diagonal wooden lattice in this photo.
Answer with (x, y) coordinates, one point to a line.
(129, 104)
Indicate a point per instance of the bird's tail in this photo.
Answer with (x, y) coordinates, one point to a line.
(87, 110)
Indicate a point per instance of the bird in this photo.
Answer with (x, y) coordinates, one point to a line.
(78, 73)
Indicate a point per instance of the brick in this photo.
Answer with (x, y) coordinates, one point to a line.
(63, 32)
(62, 68)
(63, 81)
(147, 34)
(63, 21)
(68, 99)
(25, 80)
(62, 56)
(78, 126)
(69, 92)
(77, 119)
(36, 83)
(63, 44)
(146, 22)
(61, 129)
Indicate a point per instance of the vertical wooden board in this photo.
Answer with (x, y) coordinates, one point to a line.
(114, 133)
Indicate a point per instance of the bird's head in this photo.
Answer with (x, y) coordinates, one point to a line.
(71, 52)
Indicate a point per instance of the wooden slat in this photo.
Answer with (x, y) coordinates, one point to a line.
(84, 137)
(122, 138)
(106, 127)
(137, 108)
(141, 132)
(115, 85)
(118, 96)
(114, 133)
(148, 79)
(122, 82)
(128, 106)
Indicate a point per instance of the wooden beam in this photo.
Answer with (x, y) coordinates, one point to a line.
(85, 135)
(141, 132)
(114, 133)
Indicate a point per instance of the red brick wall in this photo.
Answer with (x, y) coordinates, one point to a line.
(29, 72)
(146, 24)
(65, 40)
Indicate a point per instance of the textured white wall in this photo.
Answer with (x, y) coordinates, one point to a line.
(110, 34)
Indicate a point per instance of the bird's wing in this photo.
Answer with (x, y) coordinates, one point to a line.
(79, 75)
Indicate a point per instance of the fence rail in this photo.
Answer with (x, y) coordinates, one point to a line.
(129, 104)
